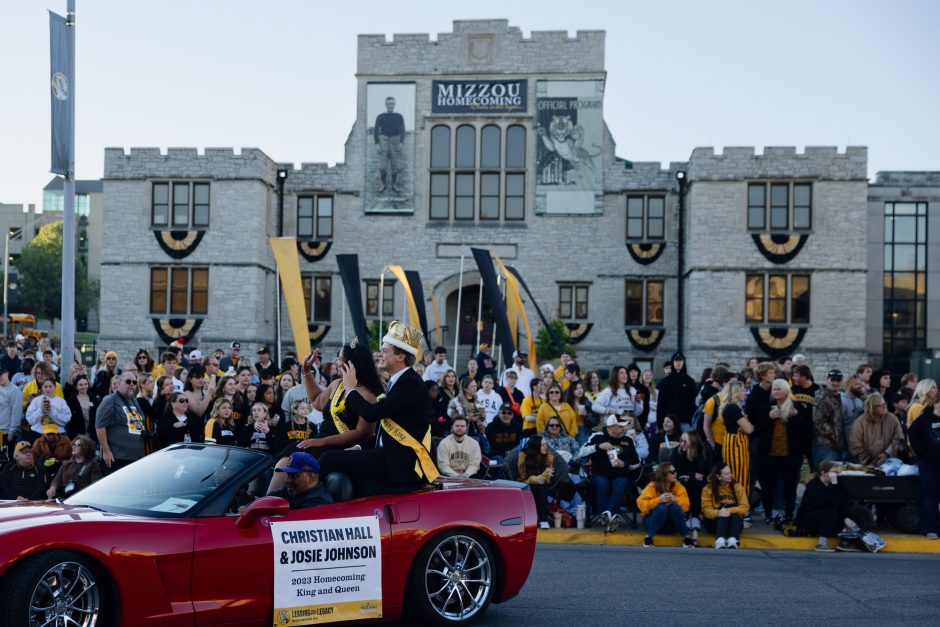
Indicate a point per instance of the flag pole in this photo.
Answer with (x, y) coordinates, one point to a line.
(457, 320)
(67, 315)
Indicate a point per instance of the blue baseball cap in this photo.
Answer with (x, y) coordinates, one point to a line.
(301, 462)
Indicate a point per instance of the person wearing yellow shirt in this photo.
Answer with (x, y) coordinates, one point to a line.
(557, 407)
(664, 500)
(41, 372)
(724, 505)
(925, 395)
(530, 407)
(713, 426)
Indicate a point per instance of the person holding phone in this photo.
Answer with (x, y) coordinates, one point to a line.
(824, 510)
(47, 408)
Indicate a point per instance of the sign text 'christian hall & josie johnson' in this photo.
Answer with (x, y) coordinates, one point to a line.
(327, 570)
(497, 96)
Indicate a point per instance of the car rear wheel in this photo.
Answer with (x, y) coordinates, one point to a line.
(55, 588)
(452, 578)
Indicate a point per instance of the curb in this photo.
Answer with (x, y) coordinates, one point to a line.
(761, 541)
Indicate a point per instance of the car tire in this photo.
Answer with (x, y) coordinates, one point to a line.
(452, 579)
(24, 600)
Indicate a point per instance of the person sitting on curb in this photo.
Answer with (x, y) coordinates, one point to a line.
(824, 509)
(724, 505)
(664, 500)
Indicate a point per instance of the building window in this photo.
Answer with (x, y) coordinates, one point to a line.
(572, 301)
(644, 303)
(440, 181)
(776, 298)
(372, 299)
(789, 206)
(179, 205)
(179, 291)
(315, 217)
(646, 217)
(905, 281)
(482, 180)
(318, 297)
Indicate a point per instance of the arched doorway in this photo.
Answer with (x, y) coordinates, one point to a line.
(467, 320)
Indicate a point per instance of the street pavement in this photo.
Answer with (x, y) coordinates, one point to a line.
(576, 585)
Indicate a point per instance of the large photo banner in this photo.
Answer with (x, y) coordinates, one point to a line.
(390, 147)
(570, 162)
(327, 570)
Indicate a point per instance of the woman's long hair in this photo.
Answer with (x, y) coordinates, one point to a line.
(358, 354)
(148, 367)
(443, 385)
(695, 445)
(714, 480)
(786, 409)
(661, 478)
(872, 400)
(535, 460)
(920, 392)
(215, 412)
(735, 387)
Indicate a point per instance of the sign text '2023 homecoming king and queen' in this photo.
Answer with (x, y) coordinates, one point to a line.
(327, 570)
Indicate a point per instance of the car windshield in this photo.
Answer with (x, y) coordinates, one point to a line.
(167, 483)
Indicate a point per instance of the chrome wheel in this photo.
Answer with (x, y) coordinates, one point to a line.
(458, 578)
(66, 595)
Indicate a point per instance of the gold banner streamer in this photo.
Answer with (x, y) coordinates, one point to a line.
(514, 310)
(285, 255)
(414, 320)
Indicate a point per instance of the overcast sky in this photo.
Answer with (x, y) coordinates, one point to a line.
(279, 75)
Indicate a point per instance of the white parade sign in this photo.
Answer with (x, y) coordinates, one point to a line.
(327, 570)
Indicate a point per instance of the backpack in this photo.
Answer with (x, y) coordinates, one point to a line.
(698, 418)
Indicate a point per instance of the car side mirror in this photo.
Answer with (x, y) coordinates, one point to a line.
(265, 506)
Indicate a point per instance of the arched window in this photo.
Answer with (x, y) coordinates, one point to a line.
(440, 146)
(489, 146)
(466, 147)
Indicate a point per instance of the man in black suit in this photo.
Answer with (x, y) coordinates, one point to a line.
(400, 459)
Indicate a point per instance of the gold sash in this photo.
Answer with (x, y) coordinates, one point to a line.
(338, 406)
(424, 467)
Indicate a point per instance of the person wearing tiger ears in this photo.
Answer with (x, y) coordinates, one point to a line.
(401, 458)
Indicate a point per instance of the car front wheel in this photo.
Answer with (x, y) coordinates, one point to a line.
(54, 588)
(452, 578)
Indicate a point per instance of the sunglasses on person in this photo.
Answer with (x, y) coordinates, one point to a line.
(182, 400)
(554, 426)
(554, 392)
(130, 381)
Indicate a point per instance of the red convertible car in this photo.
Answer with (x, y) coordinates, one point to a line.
(181, 537)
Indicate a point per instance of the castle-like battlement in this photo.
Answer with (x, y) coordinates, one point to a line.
(217, 163)
(735, 162)
(477, 46)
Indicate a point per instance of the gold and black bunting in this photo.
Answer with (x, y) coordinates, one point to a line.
(778, 341)
(179, 244)
(313, 251)
(317, 332)
(578, 331)
(646, 253)
(172, 329)
(779, 248)
(645, 340)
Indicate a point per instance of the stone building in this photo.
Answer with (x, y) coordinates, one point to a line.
(485, 138)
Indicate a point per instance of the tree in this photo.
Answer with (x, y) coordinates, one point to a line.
(40, 276)
(545, 348)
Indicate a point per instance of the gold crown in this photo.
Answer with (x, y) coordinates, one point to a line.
(404, 337)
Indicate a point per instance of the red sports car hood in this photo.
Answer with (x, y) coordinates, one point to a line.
(20, 514)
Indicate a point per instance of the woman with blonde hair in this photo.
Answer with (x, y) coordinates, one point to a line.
(778, 447)
(736, 442)
(925, 395)
(221, 427)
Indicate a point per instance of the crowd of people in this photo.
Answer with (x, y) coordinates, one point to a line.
(680, 453)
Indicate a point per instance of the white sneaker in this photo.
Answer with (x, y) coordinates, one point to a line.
(720, 543)
(732, 543)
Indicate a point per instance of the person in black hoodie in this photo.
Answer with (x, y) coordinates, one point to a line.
(504, 433)
(677, 392)
(924, 434)
(825, 509)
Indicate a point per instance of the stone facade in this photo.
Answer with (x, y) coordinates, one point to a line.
(547, 249)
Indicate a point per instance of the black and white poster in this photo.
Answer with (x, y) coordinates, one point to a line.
(570, 129)
(390, 147)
